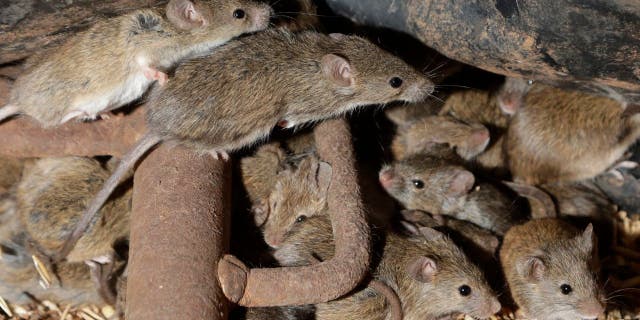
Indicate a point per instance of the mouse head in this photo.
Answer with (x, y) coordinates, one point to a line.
(426, 182)
(560, 280)
(512, 93)
(467, 140)
(441, 281)
(298, 195)
(361, 73)
(218, 19)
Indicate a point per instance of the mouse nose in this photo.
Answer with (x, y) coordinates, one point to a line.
(273, 240)
(495, 306)
(260, 16)
(590, 309)
(386, 178)
(419, 91)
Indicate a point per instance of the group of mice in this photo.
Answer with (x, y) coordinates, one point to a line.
(460, 173)
(65, 214)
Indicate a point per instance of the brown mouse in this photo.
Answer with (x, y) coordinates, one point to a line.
(562, 136)
(51, 198)
(422, 134)
(281, 313)
(549, 266)
(299, 193)
(430, 274)
(281, 78)
(438, 184)
(116, 60)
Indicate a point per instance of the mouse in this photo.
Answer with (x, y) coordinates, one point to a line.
(284, 79)
(422, 134)
(561, 135)
(82, 79)
(430, 274)
(549, 268)
(298, 194)
(437, 183)
(51, 198)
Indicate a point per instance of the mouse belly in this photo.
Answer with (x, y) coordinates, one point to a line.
(90, 107)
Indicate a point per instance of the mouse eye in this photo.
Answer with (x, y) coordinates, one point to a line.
(566, 289)
(464, 290)
(418, 184)
(301, 218)
(395, 82)
(238, 14)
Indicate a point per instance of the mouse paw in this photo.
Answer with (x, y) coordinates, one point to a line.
(100, 270)
(219, 155)
(155, 74)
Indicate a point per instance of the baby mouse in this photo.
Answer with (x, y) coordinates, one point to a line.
(562, 136)
(116, 60)
(51, 198)
(235, 97)
(430, 274)
(549, 266)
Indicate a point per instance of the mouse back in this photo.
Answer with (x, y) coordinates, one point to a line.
(421, 135)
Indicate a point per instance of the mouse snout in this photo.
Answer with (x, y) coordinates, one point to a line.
(386, 178)
(419, 91)
(590, 309)
(489, 307)
(260, 14)
(273, 239)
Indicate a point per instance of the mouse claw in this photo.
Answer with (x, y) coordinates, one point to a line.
(219, 155)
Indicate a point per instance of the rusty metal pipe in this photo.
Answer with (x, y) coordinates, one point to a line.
(179, 231)
(23, 137)
(327, 280)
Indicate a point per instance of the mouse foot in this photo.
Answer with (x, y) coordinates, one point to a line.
(219, 154)
(101, 269)
(616, 176)
(155, 74)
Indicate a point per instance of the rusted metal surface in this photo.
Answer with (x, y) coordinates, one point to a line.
(179, 231)
(23, 137)
(595, 42)
(327, 280)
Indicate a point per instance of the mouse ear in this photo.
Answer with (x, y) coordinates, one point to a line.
(461, 183)
(183, 14)
(423, 269)
(337, 69)
(260, 212)
(586, 238)
(533, 269)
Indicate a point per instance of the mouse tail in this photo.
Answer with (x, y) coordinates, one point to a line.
(542, 206)
(147, 142)
(8, 111)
